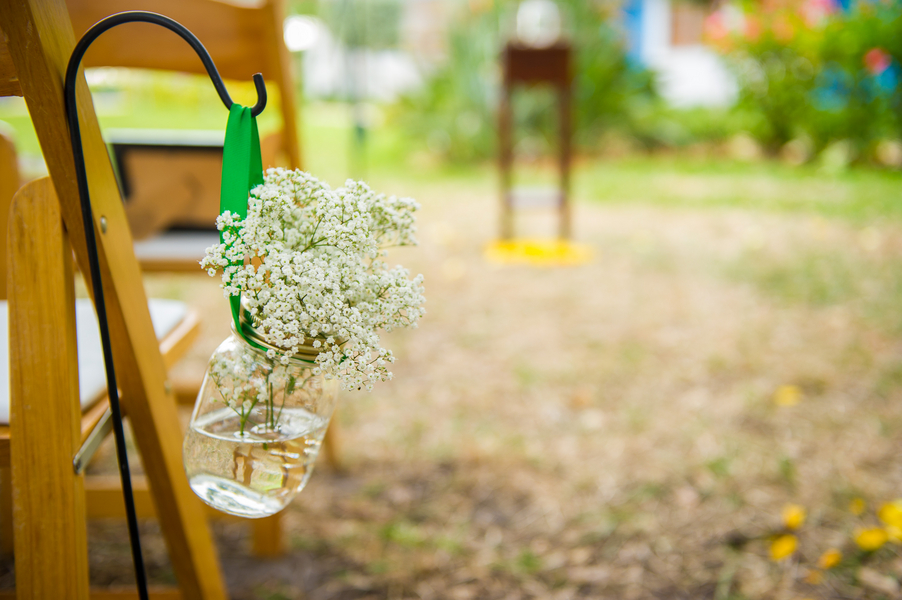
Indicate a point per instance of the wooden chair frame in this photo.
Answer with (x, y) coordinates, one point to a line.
(46, 419)
(40, 39)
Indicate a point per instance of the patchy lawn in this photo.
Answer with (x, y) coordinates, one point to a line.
(631, 428)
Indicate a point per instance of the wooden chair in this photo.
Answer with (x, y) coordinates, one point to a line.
(523, 65)
(49, 502)
(56, 404)
(242, 40)
(174, 324)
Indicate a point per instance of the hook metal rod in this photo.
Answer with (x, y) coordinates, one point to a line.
(141, 16)
(91, 240)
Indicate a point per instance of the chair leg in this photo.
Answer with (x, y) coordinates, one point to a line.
(6, 513)
(332, 445)
(268, 536)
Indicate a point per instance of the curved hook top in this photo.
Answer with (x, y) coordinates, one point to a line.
(257, 108)
(140, 16)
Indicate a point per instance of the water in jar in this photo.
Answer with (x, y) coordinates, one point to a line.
(254, 473)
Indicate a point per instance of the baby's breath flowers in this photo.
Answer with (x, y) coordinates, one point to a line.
(309, 264)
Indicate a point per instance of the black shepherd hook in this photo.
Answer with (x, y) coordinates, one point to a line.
(91, 241)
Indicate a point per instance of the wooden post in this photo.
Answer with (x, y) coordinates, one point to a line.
(536, 66)
(564, 104)
(40, 42)
(506, 160)
(51, 545)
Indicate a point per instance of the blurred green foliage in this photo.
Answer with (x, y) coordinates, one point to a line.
(373, 24)
(455, 113)
(812, 80)
(822, 81)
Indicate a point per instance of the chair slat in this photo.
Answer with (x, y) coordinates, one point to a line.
(237, 54)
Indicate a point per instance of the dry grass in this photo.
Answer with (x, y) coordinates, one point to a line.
(603, 431)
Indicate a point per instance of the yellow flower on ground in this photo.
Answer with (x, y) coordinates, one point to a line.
(857, 506)
(891, 513)
(783, 546)
(814, 577)
(787, 395)
(793, 516)
(894, 534)
(871, 539)
(829, 559)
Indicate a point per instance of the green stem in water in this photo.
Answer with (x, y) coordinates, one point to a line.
(271, 409)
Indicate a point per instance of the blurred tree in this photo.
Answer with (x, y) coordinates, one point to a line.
(828, 77)
(456, 111)
(372, 24)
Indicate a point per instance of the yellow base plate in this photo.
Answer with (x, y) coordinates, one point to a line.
(540, 253)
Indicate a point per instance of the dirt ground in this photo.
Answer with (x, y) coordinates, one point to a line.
(601, 431)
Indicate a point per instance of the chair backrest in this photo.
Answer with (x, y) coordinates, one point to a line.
(242, 40)
(40, 39)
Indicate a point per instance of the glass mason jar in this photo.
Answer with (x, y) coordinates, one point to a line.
(257, 427)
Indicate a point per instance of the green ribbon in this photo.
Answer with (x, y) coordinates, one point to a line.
(242, 170)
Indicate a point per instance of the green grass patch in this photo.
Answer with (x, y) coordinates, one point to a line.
(528, 562)
(391, 160)
(681, 182)
(871, 287)
(402, 533)
(813, 277)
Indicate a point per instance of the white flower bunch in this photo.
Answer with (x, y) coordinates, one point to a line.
(309, 264)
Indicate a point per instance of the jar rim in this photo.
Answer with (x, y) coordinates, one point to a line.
(306, 352)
